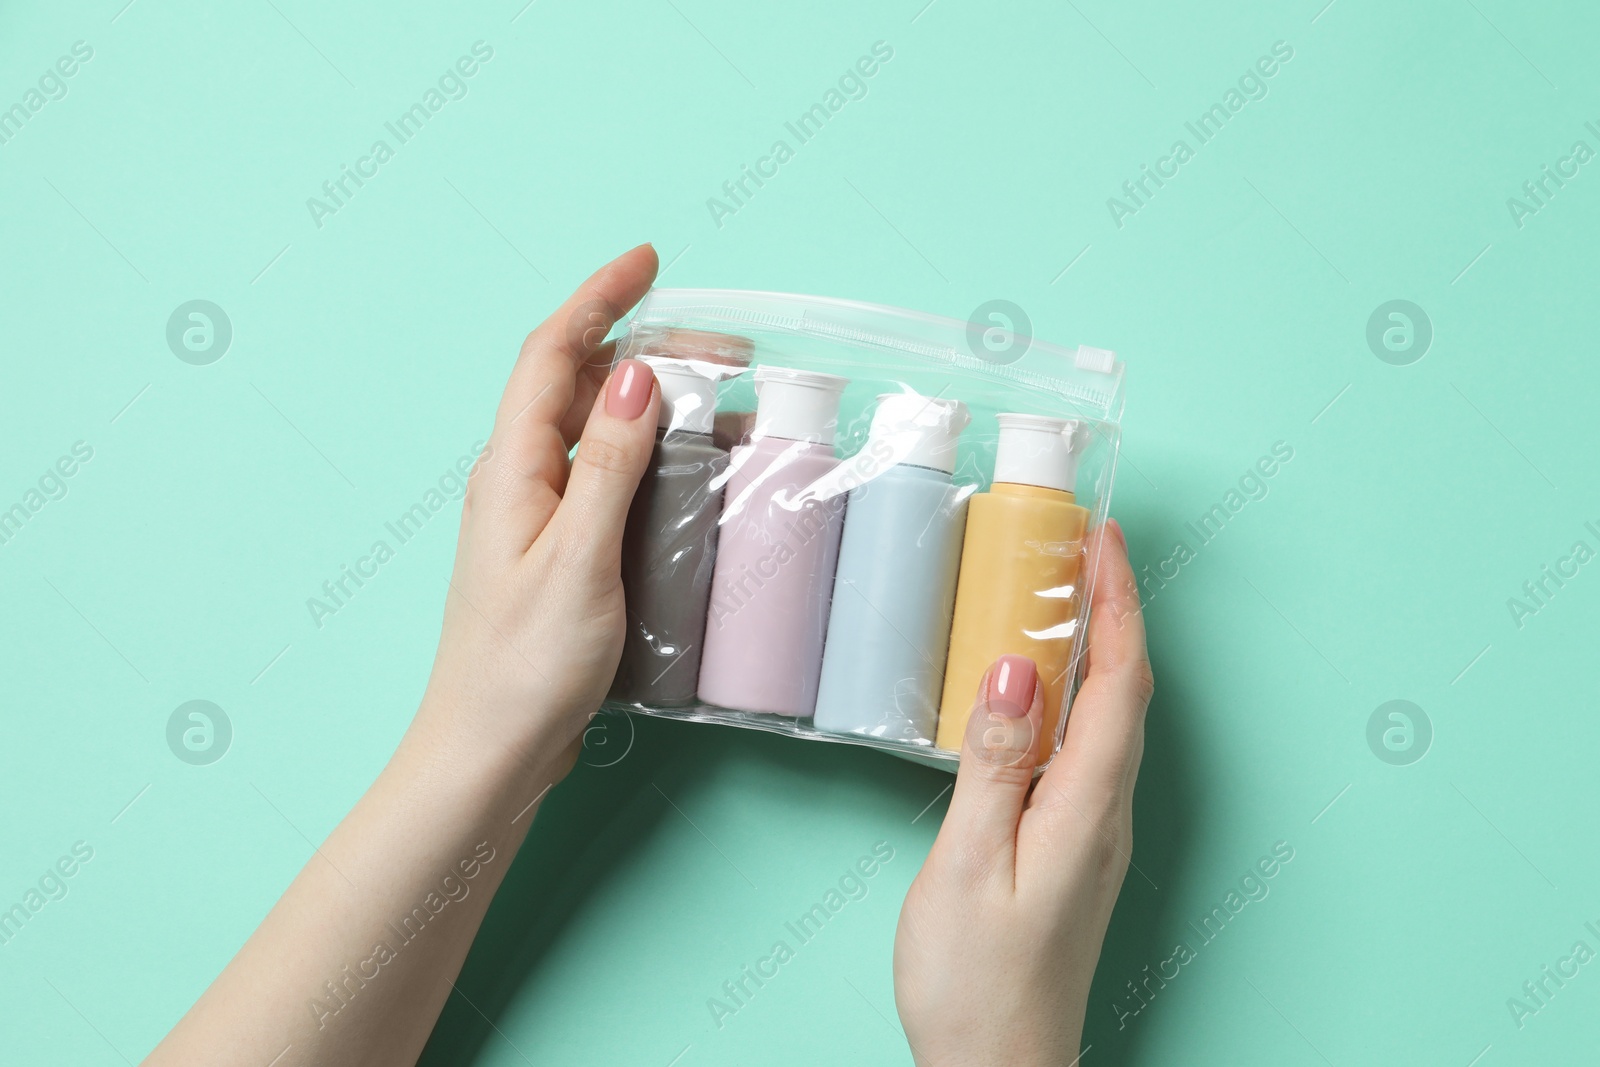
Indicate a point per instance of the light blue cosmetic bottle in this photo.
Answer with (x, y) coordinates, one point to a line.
(895, 587)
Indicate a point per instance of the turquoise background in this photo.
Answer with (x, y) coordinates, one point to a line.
(367, 356)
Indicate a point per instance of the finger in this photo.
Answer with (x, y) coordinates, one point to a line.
(998, 755)
(612, 454)
(591, 378)
(528, 443)
(1105, 731)
(551, 355)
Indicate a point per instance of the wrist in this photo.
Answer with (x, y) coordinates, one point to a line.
(480, 717)
(467, 753)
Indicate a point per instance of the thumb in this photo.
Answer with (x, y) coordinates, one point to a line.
(997, 760)
(612, 455)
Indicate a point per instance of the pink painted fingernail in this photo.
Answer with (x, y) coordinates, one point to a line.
(1012, 681)
(628, 392)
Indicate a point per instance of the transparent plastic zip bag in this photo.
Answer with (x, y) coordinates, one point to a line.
(851, 511)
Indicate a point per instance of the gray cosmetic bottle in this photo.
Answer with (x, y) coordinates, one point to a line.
(669, 543)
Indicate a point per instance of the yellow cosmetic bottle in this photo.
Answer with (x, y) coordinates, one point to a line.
(1018, 591)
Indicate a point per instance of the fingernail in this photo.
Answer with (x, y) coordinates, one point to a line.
(1012, 681)
(1116, 527)
(628, 392)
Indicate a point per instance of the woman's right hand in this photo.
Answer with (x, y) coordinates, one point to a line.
(1002, 928)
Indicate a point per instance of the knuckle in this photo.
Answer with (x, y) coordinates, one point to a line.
(965, 863)
(574, 336)
(1143, 680)
(1110, 851)
(606, 455)
(566, 548)
(1001, 747)
(1126, 610)
(1101, 826)
(484, 468)
(470, 499)
(1097, 815)
(1129, 592)
(1014, 772)
(586, 327)
(530, 345)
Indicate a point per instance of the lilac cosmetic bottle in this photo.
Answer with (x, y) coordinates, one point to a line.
(776, 553)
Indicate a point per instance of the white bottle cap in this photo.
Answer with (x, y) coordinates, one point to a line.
(922, 430)
(688, 398)
(1038, 450)
(797, 405)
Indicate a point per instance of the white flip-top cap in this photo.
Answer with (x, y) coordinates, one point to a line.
(1038, 450)
(797, 405)
(922, 430)
(688, 397)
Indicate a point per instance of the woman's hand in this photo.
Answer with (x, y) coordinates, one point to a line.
(373, 931)
(533, 619)
(1001, 931)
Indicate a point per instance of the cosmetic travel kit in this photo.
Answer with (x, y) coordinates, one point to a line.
(851, 511)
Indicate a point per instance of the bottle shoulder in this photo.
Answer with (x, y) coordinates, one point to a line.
(803, 455)
(682, 447)
(908, 472)
(1007, 498)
